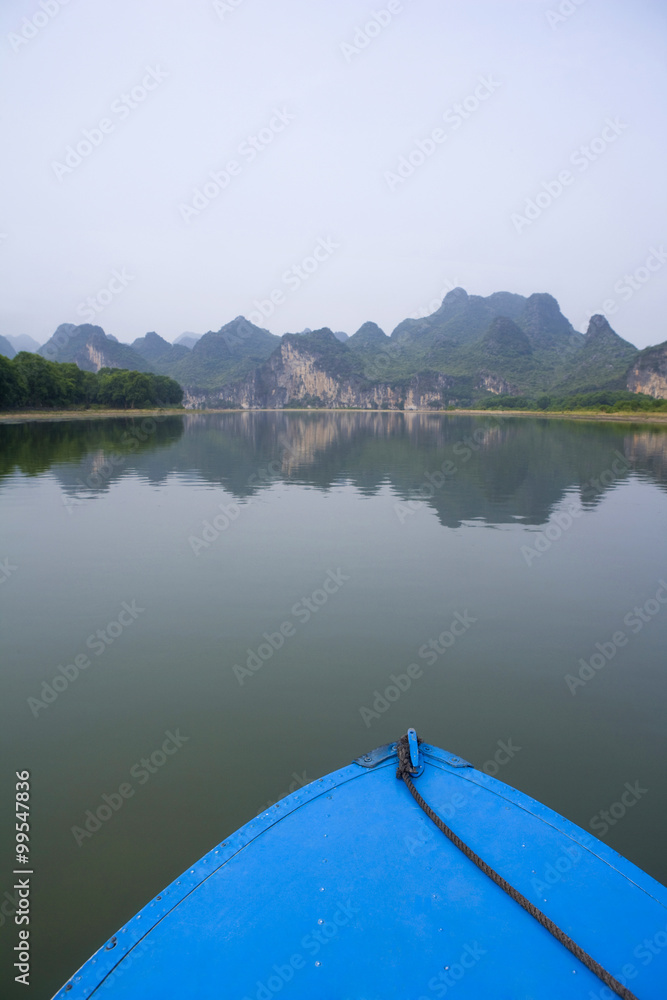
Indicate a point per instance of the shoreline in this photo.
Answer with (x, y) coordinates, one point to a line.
(634, 416)
(26, 416)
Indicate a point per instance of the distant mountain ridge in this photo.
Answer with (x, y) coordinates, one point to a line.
(90, 348)
(6, 347)
(470, 348)
(188, 339)
(225, 355)
(156, 350)
(24, 343)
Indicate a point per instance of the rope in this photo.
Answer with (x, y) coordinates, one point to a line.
(405, 770)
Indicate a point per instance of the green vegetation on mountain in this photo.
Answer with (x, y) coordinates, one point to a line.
(90, 348)
(159, 353)
(470, 350)
(525, 342)
(602, 363)
(331, 354)
(219, 358)
(507, 343)
(29, 381)
(368, 337)
(608, 401)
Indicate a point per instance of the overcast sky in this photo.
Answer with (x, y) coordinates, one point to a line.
(316, 104)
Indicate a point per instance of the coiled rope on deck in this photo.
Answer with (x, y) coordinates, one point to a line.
(405, 771)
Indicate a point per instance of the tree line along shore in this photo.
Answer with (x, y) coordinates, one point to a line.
(30, 384)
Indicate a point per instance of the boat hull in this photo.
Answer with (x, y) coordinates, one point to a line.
(346, 889)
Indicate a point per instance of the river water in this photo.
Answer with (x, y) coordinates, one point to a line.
(203, 612)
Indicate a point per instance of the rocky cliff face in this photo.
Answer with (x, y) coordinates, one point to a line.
(90, 348)
(498, 386)
(97, 358)
(467, 349)
(307, 372)
(649, 372)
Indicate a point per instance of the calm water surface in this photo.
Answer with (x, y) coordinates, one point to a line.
(167, 556)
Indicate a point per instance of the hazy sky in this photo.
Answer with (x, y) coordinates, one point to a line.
(306, 110)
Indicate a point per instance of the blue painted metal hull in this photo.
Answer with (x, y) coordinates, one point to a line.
(345, 890)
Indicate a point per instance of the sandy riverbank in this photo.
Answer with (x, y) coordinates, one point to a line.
(31, 415)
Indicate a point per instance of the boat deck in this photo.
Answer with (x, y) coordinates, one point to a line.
(345, 890)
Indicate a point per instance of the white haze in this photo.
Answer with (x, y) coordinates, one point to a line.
(338, 122)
